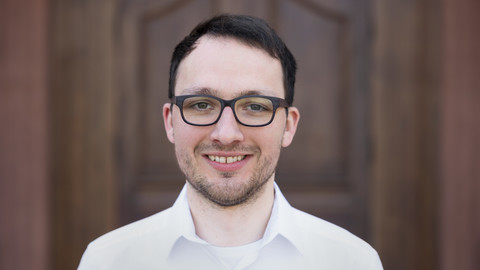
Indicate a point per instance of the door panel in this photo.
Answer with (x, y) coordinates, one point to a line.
(147, 167)
(323, 172)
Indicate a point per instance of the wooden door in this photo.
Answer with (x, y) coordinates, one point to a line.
(323, 172)
(107, 80)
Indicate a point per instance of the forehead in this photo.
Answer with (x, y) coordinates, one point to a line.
(229, 67)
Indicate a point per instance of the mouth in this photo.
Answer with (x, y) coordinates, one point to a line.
(226, 159)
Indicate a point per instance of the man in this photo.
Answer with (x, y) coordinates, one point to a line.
(231, 90)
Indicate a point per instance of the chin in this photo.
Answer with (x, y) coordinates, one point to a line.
(227, 193)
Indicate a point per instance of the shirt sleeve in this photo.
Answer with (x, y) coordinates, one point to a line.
(376, 264)
(87, 262)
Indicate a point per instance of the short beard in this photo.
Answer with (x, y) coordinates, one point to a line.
(245, 195)
(227, 194)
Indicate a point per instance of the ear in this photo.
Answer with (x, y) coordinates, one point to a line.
(167, 121)
(291, 127)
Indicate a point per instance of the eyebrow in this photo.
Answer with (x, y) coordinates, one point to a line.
(200, 91)
(249, 93)
(213, 92)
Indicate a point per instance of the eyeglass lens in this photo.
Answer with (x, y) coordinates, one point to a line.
(203, 110)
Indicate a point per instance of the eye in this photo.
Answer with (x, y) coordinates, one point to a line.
(256, 107)
(201, 106)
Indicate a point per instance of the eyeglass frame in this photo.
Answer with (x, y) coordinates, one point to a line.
(276, 102)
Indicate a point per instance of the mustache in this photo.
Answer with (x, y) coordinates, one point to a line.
(205, 147)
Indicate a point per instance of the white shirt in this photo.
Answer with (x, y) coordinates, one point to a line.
(292, 240)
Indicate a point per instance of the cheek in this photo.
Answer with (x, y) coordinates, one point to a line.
(184, 136)
(187, 137)
(278, 131)
(184, 145)
(269, 140)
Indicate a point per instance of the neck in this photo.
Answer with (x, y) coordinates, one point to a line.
(233, 225)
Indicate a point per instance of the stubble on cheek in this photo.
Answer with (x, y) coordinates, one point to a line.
(185, 163)
(223, 190)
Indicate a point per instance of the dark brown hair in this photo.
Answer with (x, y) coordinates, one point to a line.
(249, 30)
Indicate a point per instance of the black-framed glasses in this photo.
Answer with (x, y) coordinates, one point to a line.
(250, 111)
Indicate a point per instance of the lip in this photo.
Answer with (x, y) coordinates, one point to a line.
(227, 167)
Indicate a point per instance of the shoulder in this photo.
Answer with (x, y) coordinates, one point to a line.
(127, 245)
(322, 240)
(133, 231)
(321, 228)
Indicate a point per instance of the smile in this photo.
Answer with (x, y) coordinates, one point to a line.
(227, 160)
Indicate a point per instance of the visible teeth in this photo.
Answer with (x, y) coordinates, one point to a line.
(226, 159)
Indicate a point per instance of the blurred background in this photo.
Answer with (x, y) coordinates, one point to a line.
(388, 144)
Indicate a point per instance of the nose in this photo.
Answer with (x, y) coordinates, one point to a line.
(227, 129)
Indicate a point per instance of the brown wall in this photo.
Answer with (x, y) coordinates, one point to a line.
(59, 157)
(405, 93)
(459, 171)
(24, 185)
(81, 63)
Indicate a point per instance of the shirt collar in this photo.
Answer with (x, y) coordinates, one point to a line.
(285, 221)
(280, 222)
(181, 224)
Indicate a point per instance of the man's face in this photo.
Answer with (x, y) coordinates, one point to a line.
(226, 162)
